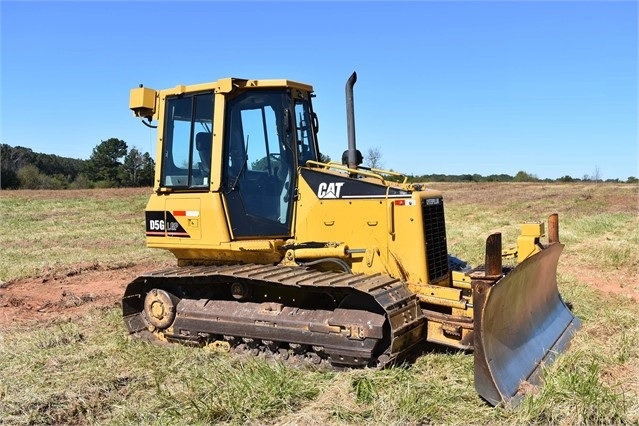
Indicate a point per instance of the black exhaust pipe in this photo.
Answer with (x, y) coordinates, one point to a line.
(353, 159)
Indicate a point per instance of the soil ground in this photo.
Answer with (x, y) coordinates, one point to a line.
(70, 293)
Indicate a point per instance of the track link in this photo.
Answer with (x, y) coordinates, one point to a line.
(286, 312)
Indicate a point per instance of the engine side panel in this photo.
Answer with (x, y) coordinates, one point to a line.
(383, 224)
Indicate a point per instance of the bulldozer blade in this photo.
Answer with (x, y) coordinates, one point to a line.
(521, 323)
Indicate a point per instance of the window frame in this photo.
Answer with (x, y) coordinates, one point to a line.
(186, 178)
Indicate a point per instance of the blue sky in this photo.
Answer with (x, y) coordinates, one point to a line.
(443, 87)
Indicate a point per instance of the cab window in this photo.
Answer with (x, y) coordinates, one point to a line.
(305, 125)
(186, 152)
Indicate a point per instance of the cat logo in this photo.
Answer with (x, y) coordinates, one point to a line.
(329, 190)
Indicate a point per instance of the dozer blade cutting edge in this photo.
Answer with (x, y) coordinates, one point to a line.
(521, 323)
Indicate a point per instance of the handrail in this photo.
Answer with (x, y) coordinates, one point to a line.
(365, 171)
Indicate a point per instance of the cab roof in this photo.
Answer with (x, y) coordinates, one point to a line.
(226, 85)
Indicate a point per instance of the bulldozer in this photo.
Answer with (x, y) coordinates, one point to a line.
(282, 254)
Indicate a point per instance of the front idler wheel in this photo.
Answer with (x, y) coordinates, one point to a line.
(159, 307)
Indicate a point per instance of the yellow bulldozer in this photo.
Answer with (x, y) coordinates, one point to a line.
(282, 254)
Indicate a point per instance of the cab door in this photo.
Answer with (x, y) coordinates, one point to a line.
(259, 164)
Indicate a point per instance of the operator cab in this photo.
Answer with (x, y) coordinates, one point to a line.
(267, 133)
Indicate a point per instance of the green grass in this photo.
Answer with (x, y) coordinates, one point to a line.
(72, 373)
(87, 371)
(53, 230)
(607, 240)
(595, 382)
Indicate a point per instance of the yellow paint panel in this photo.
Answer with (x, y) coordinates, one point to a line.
(532, 229)
(184, 210)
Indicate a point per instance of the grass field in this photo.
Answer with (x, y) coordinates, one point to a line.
(83, 369)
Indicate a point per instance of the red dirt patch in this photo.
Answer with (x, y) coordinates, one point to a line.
(614, 282)
(69, 293)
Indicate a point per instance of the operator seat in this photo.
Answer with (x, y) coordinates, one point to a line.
(203, 144)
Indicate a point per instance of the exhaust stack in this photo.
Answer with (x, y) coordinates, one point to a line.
(353, 159)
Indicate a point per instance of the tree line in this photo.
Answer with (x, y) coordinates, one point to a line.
(373, 159)
(521, 176)
(112, 164)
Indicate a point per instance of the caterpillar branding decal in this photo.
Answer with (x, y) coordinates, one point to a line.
(329, 190)
(328, 186)
(164, 224)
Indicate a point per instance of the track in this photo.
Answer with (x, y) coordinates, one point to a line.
(290, 312)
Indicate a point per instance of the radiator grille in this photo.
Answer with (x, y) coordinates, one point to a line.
(435, 237)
